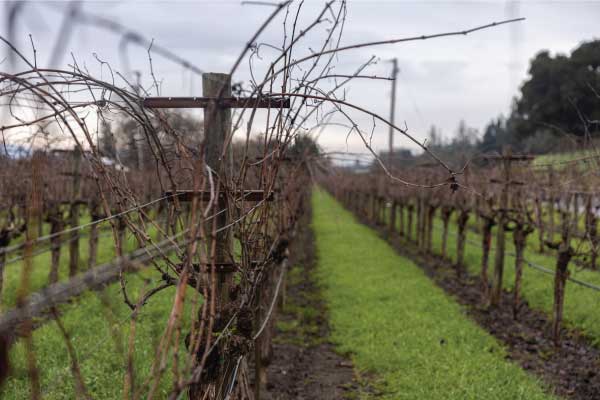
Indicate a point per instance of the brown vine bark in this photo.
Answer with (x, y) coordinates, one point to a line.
(463, 217)
(430, 218)
(392, 226)
(56, 225)
(93, 243)
(591, 231)
(401, 218)
(565, 252)
(419, 213)
(520, 234)
(486, 244)
(446, 214)
(540, 222)
(74, 214)
(409, 230)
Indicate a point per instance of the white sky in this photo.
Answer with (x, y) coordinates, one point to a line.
(441, 80)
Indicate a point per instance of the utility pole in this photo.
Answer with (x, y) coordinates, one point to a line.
(500, 238)
(392, 110)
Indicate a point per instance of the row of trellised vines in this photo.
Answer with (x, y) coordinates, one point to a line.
(504, 197)
(208, 216)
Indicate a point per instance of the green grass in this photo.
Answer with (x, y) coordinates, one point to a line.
(581, 303)
(41, 267)
(397, 324)
(41, 262)
(563, 160)
(99, 335)
(98, 324)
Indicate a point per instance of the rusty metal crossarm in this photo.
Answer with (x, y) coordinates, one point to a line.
(220, 267)
(512, 157)
(205, 195)
(494, 180)
(225, 102)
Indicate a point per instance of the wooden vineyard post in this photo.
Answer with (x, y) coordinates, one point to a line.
(486, 242)
(373, 203)
(217, 102)
(565, 253)
(591, 229)
(384, 197)
(121, 227)
(377, 209)
(360, 203)
(575, 212)
(74, 214)
(409, 220)
(217, 121)
(419, 216)
(487, 215)
(94, 208)
(430, 218)
(393, 208)
(539, 205)
(519, 238)
(463, 209)
(551, 200)
(34, 210)
(400, 205)
(461, 222)
(421, 224)
(523, 226)
(477, 216)
(5, 236)
(217, 126)
(446, 214)
(500, 237)
(55, 218)
(380, 220)
(507, 158)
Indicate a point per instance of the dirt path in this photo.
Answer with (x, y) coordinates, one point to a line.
(305, 365)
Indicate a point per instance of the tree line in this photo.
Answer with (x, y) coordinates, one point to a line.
(558, 104)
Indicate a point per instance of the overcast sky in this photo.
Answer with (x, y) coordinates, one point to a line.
(441, 81)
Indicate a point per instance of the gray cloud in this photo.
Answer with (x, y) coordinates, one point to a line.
(442, 81)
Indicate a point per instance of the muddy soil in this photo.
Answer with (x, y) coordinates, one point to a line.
(570, 370)
(305, 365)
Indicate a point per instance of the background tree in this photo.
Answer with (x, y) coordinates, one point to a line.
(495, 136)
(561, 94)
